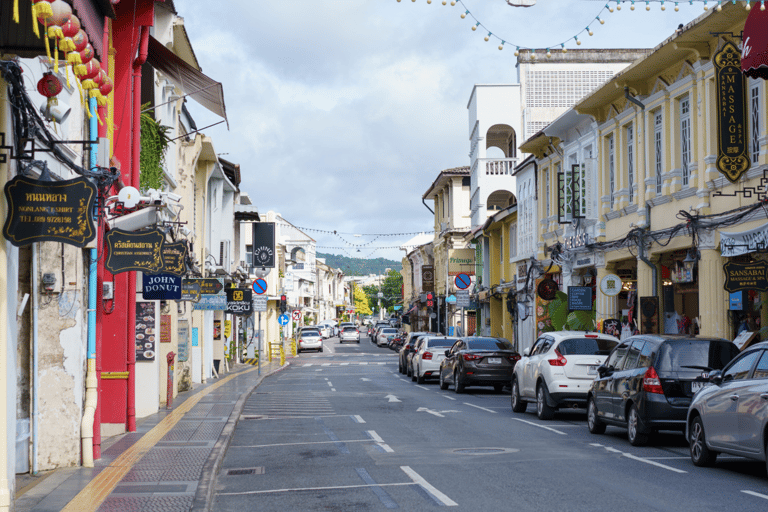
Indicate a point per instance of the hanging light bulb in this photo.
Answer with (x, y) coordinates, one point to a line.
(677, 8)
(610, 9)
(618, 5)
(748, 6)
(474, 27)
(445, 2)
(602, 22)
(762, 5)
(464, 14)
(632, 6)
(549, 54)
(517, 51)
(501, 47)
(488, 36)
(429, 1)
(577, 39)
(705, 5)
(647, 6)
(662, 6)
(533, 54)
(562, 45)
(453, 3)
(719, 6)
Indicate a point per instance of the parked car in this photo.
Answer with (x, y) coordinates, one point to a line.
(729, 414)
(406, 349)
(416, 345)
(309, 338)
(558, 370)
(649, 381)
(325, 330)
(385, 335)
(349, 334)
(425, 363)
(478, 361)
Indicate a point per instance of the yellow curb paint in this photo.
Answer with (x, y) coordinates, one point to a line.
(97, 490)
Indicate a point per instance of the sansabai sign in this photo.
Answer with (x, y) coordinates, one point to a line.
(49, 211)
(746, 276)
(139, 251)
(732, 158)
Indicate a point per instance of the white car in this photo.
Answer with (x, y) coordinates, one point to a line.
(309, 339)
(325, 331)
(349, 334)
(425, 363)
(558, 370)
(385, 334)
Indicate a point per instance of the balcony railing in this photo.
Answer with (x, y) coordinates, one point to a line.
(498, 166)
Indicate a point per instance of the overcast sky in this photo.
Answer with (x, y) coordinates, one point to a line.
(343, 112)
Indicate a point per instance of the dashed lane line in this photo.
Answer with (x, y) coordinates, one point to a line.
(358, 419)
(478, 407)
(756, 494)
(541, 426)
(298, 444)
(638, 459)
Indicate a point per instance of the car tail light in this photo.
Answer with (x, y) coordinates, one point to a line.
(426, 355)
(590, 335)
(471, 357)
(560, 361)
(651, 382)
(514, 357)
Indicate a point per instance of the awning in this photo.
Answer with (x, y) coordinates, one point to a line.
(739, 243)
(754, 55)
(204, 90)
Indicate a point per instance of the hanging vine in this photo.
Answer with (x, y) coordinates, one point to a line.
(154, 144)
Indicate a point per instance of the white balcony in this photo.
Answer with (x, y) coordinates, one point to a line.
(497, 166)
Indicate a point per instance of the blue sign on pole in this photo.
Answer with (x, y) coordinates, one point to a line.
(283, 319)
(260, 286)
(462, 281)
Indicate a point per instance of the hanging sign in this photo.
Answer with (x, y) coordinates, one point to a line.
(461, 261)
(211, 303)
(49, 211)
(610, 285)
(190, 290)
(175, 258)
(160, 287)
(263, 244)
(209, 286)
(744, 242)
(746, 276)
(579, 298)
(428, 278)
(732, 158)
(140, 251)
(547, 289)
(145, 331)
(239, 301)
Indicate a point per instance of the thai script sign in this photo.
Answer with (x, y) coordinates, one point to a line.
(732, 158)
(190, 290)
(428, 278)
(140, 251)
(52, 211)
(746, 276)
(239, 301)
(175, 258)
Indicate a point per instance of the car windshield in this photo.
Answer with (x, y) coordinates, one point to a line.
(586, 346)
(310, 332)
(489, 344)
(445, 342)
(388, 331)
(681, 355)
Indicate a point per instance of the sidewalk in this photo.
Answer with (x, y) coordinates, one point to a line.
(168, 464)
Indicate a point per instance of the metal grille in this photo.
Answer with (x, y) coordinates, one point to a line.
(755, 104)
(611, 170)
(685, 139)
(657, 149)
(631, 162)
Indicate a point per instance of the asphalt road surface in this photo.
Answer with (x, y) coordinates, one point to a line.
(342, 430)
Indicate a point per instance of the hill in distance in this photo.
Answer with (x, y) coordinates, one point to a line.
(359, 266)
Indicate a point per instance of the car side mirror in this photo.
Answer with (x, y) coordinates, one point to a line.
(526, 352)
(447, 353)
(716, 377)
(603, 370)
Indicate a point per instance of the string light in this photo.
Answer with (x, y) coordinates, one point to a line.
(762, 5)
(705, 5)
(719, 6)
(662, 6)
(748, 6)
(610, 9)
(632, 6)
(589, 31)
(618, 5)
(517, 51)
(677, 8)
(647, 6)
(488, 36)
(474, 27)
(602, 22)
(562, 45)
(549, 54)
(577, 39)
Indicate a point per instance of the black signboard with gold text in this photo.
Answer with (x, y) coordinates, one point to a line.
(174, 258)
(746, 276)
(139, 251)
(49, 211)
(732, 158)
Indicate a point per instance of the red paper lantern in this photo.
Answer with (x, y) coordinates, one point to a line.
(106, 86)
(71, 26)
(41, 10)
(49, 85)
(85, 57)
(92, 69)
(61, 12)
(81, 41)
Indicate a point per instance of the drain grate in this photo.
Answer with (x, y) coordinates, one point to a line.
(246, 471)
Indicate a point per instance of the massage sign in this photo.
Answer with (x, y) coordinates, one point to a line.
(138, 251)
(746, 276)
(732, 159)
(49, 211)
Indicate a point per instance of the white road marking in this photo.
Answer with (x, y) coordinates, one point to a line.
(299, 444)
(326, 364)
(542, 426)
(333, 389)
(478, 407)
(344, 364)
(392, 398)
(319, 370)
(376, 437)
(422, 387)
(364, 379)
(639, 459)
(417, 478)
(326, 378)
(450, 398)
(756, 494)
(439, 414)
(307, 364)
(381, 363)
(330, 384)
(358, 419)
(363, 362)
(298, 489)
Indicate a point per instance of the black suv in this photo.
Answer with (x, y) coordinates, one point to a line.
(648, 381)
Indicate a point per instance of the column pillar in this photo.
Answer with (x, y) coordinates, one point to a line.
(713, 300)
(606, 305)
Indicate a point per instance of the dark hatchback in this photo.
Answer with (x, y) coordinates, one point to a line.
(648, 382)
(478, 361)
(407, 349)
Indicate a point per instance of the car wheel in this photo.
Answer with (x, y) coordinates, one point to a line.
(320, 349)
(634, 428)
(543, 410)
(700, 454)
(443, 383)
(518, 404)
(400, 366)
(458, 386)
(419, 377)
(358, 341)
(593, 421)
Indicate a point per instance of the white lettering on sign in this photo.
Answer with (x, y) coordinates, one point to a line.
(747, 49)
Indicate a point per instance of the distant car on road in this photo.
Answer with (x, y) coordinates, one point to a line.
(385, 335)
(309, 339)
(349, 333)
(425, 363)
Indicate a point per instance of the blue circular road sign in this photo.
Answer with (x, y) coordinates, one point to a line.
(260, 286)
(462, 281)
(283, 319)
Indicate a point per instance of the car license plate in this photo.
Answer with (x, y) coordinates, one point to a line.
(494, 360)
(592, 370)
(695, 386)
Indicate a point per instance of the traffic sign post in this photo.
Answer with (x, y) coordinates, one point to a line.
(283, 319)
(297, 314)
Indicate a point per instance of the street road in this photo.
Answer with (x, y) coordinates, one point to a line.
(343, 430)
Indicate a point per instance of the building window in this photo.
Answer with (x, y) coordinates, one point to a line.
(657, 146)
(512, 241)
(685, 139)
(611, 171)
(249, 255)
(631, 162)
(754, 99)
(546, 193)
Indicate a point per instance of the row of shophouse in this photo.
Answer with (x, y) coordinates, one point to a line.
(638, 203)
(86, 350)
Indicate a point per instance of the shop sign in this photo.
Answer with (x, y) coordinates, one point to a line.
(227, 328)
(547, 289)
(259, 303)
(165, 328)
(573, 242)
(263, 244)
(736, 301)
(175, 258)
(610, 285)
(145, 331)
(744, 242)
(583, 262)
(428, 278)
(139, 251)
(239, 301)
(190, 290)
(579, 298)
(183, 340)
(746, 276)
(208, 286)
(211, 303)
(49, 211)
(461, 261)
(160, 287)
(732, 158)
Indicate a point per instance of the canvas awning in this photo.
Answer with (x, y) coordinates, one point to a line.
(754, 56)
(204, 90)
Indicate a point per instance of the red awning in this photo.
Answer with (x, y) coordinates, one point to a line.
(754, 55)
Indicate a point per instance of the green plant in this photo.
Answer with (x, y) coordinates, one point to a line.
(154, 144)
